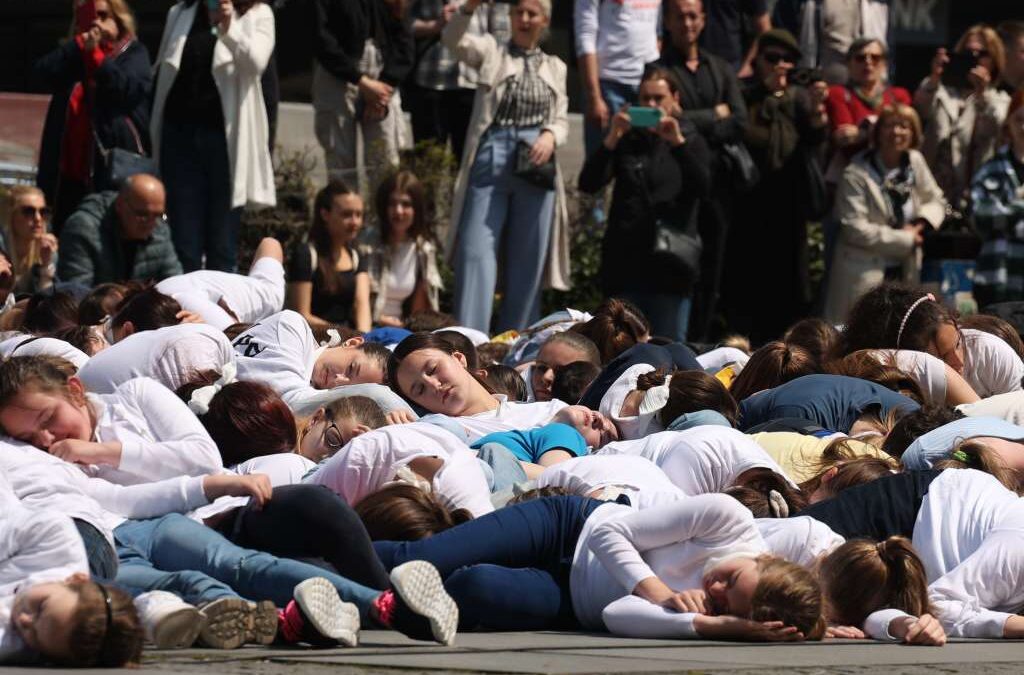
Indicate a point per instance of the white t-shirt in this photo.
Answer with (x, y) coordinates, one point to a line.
(700, 460)
(990, 365)
(160, 437)
(637, 477)
(250, 298)
(401, 277)
(676, 542)
(171, 356)
(508, 416)
(28, 345)
(370, 461)
(719, 358)
(928, 371)
(42, 481)
(283, 468)
(280, 351)
(1008, 406)
(800, 539)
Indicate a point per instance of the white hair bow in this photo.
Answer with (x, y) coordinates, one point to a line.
(333, 338)
(655, 398)
(199, 403)
(777, 504)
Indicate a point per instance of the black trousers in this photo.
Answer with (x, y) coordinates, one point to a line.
(442, 116)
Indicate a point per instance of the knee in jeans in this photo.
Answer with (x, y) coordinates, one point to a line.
(470, 586)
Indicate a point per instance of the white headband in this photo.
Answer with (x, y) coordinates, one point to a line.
(903, 324)
(199, 403)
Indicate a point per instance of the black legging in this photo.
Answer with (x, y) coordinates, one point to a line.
(310, 521)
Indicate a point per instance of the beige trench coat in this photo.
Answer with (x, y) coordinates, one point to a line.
(496, 68)
(867, 244)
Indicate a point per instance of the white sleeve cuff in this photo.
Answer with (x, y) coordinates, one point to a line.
(192, 491)
(877, 624)
(131, 458)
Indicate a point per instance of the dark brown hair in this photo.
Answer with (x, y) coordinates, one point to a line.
(616, 326)
(572, 379)
(94, 643)
(463, 345)
(404, 182)
(690, 391)
(773, 364)
(101, 302)
(491, 353)
(429, 320)
(817, 336)
(864, 364)
(147, 309)
(861, 577)
(875, 318)
(50, 312)
(417, 342)
(754, 487)
(505, 380)
(908, 428)
(320, 236)
(403, 512)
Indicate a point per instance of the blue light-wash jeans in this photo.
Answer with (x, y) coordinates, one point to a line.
(504, 216)
(615, 95)
(668, 313)
(177, 554)
(508, 570)
(196, 172)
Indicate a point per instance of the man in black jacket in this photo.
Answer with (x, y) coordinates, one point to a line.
(712, 101)
(363, 51)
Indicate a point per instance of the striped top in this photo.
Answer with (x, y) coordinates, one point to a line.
(527, 100)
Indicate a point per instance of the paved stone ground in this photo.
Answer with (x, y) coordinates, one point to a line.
(558, 653)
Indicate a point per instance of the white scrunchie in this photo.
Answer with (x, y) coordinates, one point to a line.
(333, 338)
(199, 403)
(777, 504)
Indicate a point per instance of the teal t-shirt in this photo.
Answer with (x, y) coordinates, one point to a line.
(528, 446)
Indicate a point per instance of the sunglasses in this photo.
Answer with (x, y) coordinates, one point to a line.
(31, 211)
(873, 58)
(776, 57)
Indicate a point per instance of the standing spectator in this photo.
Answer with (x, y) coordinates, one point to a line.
(403, 264)
(660, 175)
(787, 124)
(711, 99)
(723, 35)
(327, 279)
(32, 249)
(510, 187)
(614, 40)
(100, 81)
(362, 53)
(210, 131)
(827, 29)
(886, 200)
(853, 107)
(1012, 33)
(962, 123)
(443, 87)
(119, 236)
(997, 199)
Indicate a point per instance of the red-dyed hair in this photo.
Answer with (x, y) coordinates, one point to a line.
(245, 419)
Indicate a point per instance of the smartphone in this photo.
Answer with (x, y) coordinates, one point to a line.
(644, 118)
(954, 74)
(85, 15)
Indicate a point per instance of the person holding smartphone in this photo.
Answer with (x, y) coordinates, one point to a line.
(962, 110)
(100, 81)
(660, 165)
(509, 194)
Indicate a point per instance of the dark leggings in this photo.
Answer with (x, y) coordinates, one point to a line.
(310, 521)
(508, 570)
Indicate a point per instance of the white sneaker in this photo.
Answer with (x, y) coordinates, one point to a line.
(329, 616)
(169, 622)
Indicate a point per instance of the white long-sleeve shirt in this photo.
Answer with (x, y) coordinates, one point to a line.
(637, 477)
(969, 535)
(676, 542)
(283, 468)
(250, 298)
(42, 481)
(623, 34)
(990, 365)
(29, 345)
(280, 351)
(508, 416)
(160, 437)
(168, 355)
(700, 460)
(800, 539)
(370, 461)
(35, 547)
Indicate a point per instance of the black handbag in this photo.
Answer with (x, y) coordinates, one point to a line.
(740, 167)
(677, 251)
(118, 164)
(542, 176)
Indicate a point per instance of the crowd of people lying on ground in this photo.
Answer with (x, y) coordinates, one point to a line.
(189, 464)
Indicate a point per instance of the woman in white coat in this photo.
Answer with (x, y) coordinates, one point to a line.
(509, 178)
(886, 200)
(209, 125)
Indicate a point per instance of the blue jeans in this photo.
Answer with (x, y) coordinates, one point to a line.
(668, 313)
(502, 215)
(177, 544)
(508, 570)
(196, 171)
(615, 95)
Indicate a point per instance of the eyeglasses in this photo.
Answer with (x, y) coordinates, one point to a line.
(332, 435)
(775, 57)
(31, 211)
(864, 57)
